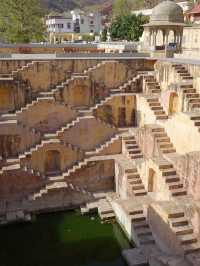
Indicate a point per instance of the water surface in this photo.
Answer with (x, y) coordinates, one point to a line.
(62, 239)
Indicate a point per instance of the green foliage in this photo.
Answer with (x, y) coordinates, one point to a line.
(121, 8)
(21, 21)
(104, 35)
(129, 27)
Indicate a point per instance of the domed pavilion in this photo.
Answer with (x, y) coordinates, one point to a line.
(166, 20)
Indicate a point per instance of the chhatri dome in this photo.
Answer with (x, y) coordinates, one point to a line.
(165, 30)
(167, 13)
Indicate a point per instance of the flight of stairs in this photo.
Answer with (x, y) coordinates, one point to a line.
(156, 108)
(134, 182)
(18, 70)
(132, 149)
(50, 95)
(152, 85)
(171, 179)
(196, 120)
(191, 96)
(141, 227)
(54, 180)
(182, 72)
(163, 140)
(184, 231)
(60, 185)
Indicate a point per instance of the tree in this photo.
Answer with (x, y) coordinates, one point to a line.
(104, 34)
(21, 21)
(121, 8)
(129, 27)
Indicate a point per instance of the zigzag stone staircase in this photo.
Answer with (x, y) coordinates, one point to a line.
(134, 182)
(50, 95)
(195, 117)
(182, 72)
(171, 178)
(156, 108)
(141, 227)
(163, 140)
(132, 149)
(152, 86)
(184, 231)
(18, 70)
(60, 179)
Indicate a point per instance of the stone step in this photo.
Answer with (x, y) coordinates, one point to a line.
(135, 181)
(183, 230)
(197, 123)
(146, 240)
(156, 108)
(136, 211)
(175, 185)
(192, 95)
(158, 129)
(194, 100)
(194, 247)
(150, 100)
(168, 150)
(138, 217)
(143, 231)
(159, 113)
(141, 192)
(133, 176)
(176, 214)
(178, 192)
(128, 138)
(176, 222)
(140, 224)
(136, 156)
(165, 166)
(132, 142)
(137, 187)
(130, 171)
(134, 151)
(189, 90)
(187, 78)
(163, 139)
(161, 117)
(195, 105)
(132, 146)
(172, 179)
(166, 145)
(195, 117)
(186, 86)
(154, 104)
(168, 172)
(160, 135)
(187, 239)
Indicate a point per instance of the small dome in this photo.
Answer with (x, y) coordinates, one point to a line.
(167, 11)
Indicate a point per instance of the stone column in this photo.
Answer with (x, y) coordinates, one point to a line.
(166, 40)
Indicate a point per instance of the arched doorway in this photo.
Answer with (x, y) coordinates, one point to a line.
(173, 103)
(52, 162)
(151, 180)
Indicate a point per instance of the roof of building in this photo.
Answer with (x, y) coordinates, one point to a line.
(195, 9)
(166, 13)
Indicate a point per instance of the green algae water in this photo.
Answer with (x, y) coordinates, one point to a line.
(62, 239)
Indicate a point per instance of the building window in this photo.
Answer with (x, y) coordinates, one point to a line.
(82, 21)
(91, 22)
(69, 25)
(91, 31)
(60, 26)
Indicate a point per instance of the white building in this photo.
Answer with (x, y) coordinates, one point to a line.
(69, 26)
